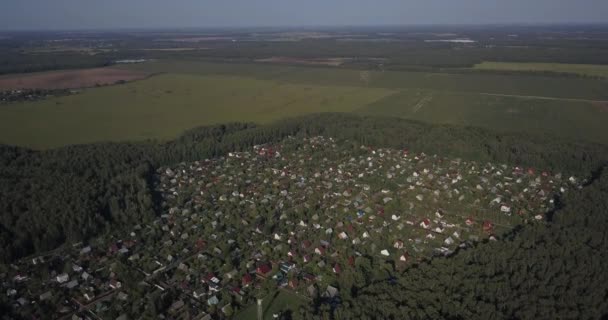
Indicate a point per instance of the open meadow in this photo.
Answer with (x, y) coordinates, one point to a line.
(578, 69)
(68, 79)
(187, 94)
(566, 118)
(164, 106)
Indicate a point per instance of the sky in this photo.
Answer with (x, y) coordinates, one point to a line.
(116, 14)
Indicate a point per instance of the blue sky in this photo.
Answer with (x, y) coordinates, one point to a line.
(87, 14)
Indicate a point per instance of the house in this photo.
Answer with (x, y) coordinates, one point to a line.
(488, 226)
(404, 257)
(114, 284)
(351, 261)
(343, 235)
(45, 296)
(63, 278)
(309, 277)
(214, 287)
(285, 267)
(469, 222)
(211, 278)
(398, 244)
(319, 250)
(426, 223)
(72, 284)
(246, 280)
(306, 244)
(384, 253)
(122, 296)
(330, 292)
(199, 293)
(311, 290)
(263, 270)
(213, 301)
(85, 250)
(336, 269)
(231, 274)
(293, 283)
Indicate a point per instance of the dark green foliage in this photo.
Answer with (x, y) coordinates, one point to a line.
(554, 271)
(77, 192)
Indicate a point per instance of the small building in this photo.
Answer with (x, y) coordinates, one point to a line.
(426, 223)
(64, 277)
(263, 270)
(336, 268)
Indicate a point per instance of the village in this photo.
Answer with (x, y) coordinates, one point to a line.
(293, 216)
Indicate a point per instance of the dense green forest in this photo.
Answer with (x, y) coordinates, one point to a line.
(69, 194)
(48, 198)
(553, 271)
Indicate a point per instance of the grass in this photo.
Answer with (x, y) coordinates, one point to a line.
(194, 93)
(579, 69)
(572, 119)
(528, 85)
(162, 107)
(276, 302)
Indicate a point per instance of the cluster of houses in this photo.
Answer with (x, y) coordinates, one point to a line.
(294, 215)
(32, 94)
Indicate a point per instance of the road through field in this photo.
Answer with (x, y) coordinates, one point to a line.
(540, 97)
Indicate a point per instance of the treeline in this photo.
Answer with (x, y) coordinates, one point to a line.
(409, 55)
(552, 271)
(12, 61)
(73, 193)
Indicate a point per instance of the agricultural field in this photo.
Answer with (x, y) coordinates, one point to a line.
(187, 94)
(520, 85)
(579, 69)
(69, 79)
(163, 106)
(566, 118)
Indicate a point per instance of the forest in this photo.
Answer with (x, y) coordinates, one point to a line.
(59, 196)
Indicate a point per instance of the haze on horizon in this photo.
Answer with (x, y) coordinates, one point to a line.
(111, 14)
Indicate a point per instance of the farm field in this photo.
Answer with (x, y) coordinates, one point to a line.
(191, 94)
(68, 79)
(526, 85)
(164, 106)
(575, 119)
(580, 69)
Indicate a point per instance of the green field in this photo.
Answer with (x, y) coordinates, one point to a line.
(164, 106)
(188, 94)
(279, 301)
(580, 69)
(580, 119)
(526, 85)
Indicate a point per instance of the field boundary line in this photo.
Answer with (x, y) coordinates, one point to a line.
(540, 97)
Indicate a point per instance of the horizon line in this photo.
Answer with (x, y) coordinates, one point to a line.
(320, 26)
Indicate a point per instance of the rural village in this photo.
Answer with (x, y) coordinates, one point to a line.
(293, 216)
